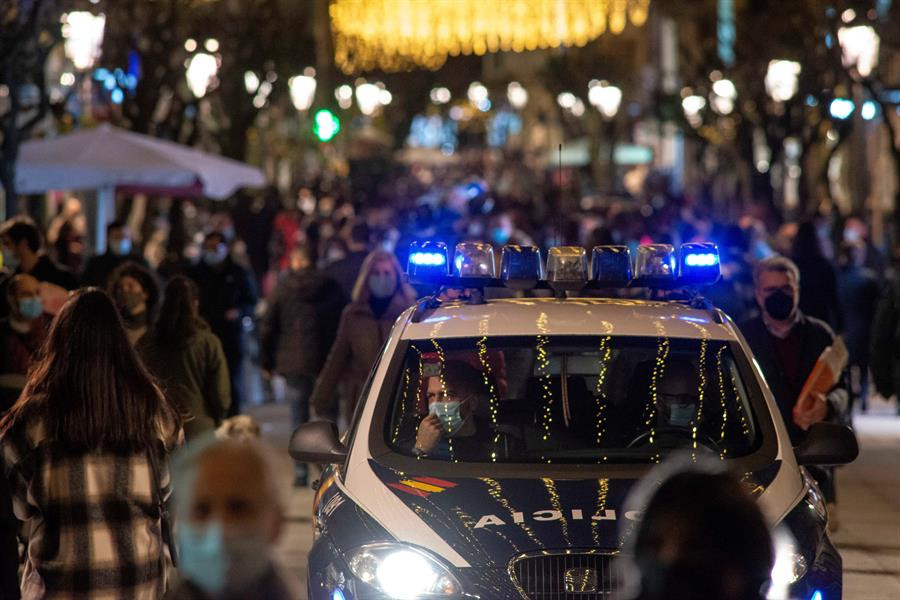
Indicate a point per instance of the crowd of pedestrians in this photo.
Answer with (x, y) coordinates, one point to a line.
(164, 340)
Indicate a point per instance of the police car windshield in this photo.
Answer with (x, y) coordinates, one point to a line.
(569, 399)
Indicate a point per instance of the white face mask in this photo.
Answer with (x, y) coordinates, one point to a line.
(680, 415)
(217, 562)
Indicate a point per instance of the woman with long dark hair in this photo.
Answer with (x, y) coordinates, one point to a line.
(187, 359)
(84, 449)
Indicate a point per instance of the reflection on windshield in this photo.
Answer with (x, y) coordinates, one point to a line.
(569, 399)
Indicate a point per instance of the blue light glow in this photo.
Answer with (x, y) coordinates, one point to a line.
(337, 594)
(841, 108)
(428, 259)
(817, 595)
(701, 260)
(117, 96)
(868, 110)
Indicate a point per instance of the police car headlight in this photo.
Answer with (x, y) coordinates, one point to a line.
(789, 568)
(402, 572)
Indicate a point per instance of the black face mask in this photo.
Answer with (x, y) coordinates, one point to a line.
(779, 305)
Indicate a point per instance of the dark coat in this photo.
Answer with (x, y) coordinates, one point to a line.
(223, 288)
(9, 545)
(359, 339)
(816, 336)
(300, 323)
(194, 376)
(858, 293)
(346, 271)
(884, 347)
(99, 268)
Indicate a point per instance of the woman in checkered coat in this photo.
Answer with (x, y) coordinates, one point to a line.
(84, 453)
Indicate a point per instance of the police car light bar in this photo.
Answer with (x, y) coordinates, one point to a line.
(656, 266)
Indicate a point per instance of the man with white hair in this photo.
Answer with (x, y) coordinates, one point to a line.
(229, 510)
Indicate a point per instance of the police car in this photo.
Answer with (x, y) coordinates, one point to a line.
(497, 439)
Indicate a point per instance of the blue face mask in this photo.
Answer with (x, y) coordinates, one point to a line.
(31, 308)
(382, 286)
(214, 257)
(449, 415)
(217, 563)
(122, 248)
(500, 235)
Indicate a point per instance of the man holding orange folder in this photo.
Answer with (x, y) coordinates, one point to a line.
(800, 357)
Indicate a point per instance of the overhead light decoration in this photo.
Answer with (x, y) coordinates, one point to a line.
(397, 36)
(201, 71)
(782, 79)
(303, 89)
(83, 34)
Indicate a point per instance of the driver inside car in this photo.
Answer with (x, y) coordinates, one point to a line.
(452, 430)
(678, 394)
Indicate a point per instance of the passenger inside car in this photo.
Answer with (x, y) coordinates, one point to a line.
(454, 428)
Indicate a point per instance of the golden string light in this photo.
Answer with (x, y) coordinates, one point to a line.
(605, 353)
(487, 374)
(722, 399)
(557, 506)
(495, 491)
(400, 35)
(602, 491)
(543, 364)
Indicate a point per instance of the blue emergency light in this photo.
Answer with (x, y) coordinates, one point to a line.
(699, 263)
(427, 259)
(611, 266)
(521, 267)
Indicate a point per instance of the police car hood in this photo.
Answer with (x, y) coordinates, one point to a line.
(488, 520)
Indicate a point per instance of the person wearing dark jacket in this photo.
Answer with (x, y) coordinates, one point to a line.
(787, 344)
(884, 347)
(21, 336)
(818, 296)
(296, 333)
(187, 360)
(135, 291)
(119, 250)
(21, 241)
(858, 292)
(380, 295)
(227, 296)
(346, 270)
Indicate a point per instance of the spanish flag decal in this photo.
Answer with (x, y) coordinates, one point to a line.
(423, 486)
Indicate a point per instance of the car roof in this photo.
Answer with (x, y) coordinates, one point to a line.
(571, 316)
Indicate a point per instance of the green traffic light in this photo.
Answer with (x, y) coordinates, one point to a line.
(326, 125)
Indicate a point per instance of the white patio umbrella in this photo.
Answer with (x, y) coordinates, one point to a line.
(108, 157)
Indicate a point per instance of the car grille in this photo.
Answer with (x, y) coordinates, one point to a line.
(573, 576)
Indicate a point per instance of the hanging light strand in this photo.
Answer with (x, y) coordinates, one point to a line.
(398, 35)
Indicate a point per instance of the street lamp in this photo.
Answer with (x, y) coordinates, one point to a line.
(440, 95)
(605, 97)
(724, 95)
(303, 89)
(517, 95)
(368, 98)
(251, 82)
(859, 48)
(782, 79)
(83, 32)
(200, 72)
(692, 105)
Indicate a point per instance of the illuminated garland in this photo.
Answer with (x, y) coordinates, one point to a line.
(605, 352)
(486, 373)
(400, 35)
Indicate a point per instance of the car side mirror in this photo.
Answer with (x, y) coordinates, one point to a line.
(827, 444)
(317, 442)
